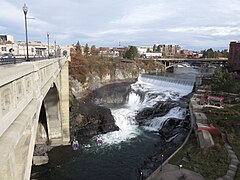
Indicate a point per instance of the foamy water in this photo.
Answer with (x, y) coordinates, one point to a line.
(146, 92)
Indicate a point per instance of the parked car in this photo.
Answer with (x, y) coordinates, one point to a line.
(6, 56)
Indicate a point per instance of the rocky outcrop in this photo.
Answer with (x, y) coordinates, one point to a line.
(89, 119)
(173, 126)
(174, 131)
(114, 94)
(40, 160)
(40, 156)
(159, 109)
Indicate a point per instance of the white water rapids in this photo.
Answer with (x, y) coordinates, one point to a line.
(146, 92)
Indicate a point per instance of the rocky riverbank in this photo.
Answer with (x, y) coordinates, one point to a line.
(89, 114)
(173, 130)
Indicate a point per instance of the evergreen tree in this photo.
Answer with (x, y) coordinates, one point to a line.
(131, 53)
(78, 48)
(86, 50)
(222, 81)
(158, 49)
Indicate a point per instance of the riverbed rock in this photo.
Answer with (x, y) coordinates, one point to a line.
(91, 119)
(159, 109)
(40, 160)
(41, 149)
(90, 116)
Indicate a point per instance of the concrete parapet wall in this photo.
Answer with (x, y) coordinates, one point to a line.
(23, 91)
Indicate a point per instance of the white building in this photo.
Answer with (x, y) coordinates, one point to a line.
(35, 48)
(144, 49)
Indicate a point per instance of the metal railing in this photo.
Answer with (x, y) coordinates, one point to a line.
(20, 59)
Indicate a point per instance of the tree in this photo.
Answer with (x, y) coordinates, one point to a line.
(78, 48)
(222, 81)
(131, 53)
(154, 48)
(159, 48)
(210, 53)
(94, 51)
(86, 50)
(224, 53)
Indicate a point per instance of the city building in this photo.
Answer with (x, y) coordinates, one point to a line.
(35, 48)
(144, 49)
(234, 55)
(185, 53)
(169, 50)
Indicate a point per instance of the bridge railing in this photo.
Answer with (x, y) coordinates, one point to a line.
(20, 59)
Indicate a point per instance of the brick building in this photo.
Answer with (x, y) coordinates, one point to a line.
(234, 55)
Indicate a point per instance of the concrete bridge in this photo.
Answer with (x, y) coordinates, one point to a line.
(34, 109)
(169, 63)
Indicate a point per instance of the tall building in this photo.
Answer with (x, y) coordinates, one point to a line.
(234, 55)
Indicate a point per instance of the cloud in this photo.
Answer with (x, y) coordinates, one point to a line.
(189, 23)
(210, 30)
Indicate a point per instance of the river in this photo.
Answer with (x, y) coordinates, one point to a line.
(124, 151)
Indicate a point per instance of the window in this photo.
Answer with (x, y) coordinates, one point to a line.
(4, 49)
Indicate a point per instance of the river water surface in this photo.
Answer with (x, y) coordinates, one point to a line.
(123, 151)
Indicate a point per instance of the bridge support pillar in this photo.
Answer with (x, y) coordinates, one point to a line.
(64, 103)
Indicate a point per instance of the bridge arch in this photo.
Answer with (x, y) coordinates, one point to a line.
(49, 125)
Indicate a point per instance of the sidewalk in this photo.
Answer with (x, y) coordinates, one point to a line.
(173, 172)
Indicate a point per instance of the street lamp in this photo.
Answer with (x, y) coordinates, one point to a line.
(55, 49)
(25, 10)
(48, 43)
(162, 163)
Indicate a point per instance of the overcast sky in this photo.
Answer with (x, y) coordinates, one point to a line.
(193, 24)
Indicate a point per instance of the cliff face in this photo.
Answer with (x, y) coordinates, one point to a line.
(87, 117)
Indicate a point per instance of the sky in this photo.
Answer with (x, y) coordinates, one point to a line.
(192, 24)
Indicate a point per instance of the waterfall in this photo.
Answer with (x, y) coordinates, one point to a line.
(156, 124)
(146, 92)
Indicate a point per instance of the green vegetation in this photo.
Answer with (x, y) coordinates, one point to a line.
(231, 125)
(222, 81)
(210, 163)
(86, 51)
(78, 48)
(210, 53)
(131, 53)
(213, 162)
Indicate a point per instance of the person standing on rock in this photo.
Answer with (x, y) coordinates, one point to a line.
(75, 144)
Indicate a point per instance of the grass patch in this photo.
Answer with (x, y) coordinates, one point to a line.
(231, 125)
(211, 163)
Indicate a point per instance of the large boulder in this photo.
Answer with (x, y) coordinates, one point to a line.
(90, 119)
(159, 109)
